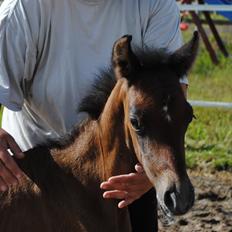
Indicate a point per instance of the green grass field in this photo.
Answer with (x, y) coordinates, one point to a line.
(209, 138)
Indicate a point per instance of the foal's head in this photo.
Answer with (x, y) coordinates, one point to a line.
(157, 116)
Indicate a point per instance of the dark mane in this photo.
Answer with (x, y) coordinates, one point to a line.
(95, 101)
(153, 57)
(92, 104)
(67, 139)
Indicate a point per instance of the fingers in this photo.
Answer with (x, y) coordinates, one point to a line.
(116, 194)
(13, 146)
(107, 185)
(126, 197)
(10, 164)
(124, 203)
(119, 191)
(120, 195)
(128, 183)
(128, 187)
(6, 175)
(3, 185)
(10, 173)
(139, 168)
(132, 179)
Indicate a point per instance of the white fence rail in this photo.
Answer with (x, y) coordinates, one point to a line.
(212, 104)
(205, 7)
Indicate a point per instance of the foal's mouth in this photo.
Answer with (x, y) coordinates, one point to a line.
(166, 216)
(175, 201)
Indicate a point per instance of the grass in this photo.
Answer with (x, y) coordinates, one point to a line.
(209, 138)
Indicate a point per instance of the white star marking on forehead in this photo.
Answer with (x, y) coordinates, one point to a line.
(167, 116)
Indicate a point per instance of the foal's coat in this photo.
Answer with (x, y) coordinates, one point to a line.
(139, 113)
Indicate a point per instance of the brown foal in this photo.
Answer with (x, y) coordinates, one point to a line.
(137, 113)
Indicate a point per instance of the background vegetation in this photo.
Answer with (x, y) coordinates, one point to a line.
(209, 138)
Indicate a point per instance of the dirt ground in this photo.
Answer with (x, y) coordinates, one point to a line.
(212, 211)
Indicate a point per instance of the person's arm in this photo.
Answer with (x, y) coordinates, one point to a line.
(17, 59)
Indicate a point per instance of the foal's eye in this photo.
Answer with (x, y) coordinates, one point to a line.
(136, 125)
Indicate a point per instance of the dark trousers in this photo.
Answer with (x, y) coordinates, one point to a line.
(143, 213)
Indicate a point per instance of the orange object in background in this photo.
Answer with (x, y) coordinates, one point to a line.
(184, 26)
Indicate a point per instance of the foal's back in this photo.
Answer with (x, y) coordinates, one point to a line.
(41, 202)
(60, 193)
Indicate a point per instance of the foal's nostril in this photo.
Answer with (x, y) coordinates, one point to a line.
(178, 203)
(170, 200)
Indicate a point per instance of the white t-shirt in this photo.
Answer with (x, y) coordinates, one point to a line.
(51, 51)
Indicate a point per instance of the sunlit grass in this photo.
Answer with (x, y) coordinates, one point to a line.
(209, 81)
(209, 138)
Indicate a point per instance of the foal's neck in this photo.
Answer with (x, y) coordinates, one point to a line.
(118, 158)
(100, 150)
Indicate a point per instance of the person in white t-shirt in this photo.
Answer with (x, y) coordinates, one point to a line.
(50, 53)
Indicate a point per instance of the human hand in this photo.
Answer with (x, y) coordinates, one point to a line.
(127, 188)
(10, 173)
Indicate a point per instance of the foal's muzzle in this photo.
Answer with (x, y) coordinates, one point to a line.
(179, 202)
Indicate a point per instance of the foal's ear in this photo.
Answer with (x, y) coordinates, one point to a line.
(123, 59)
(182, 60)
